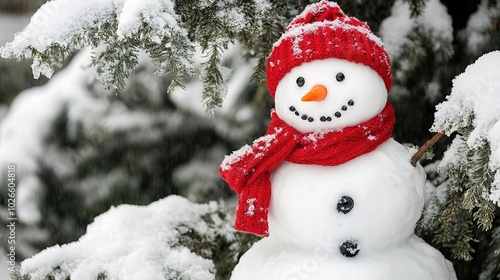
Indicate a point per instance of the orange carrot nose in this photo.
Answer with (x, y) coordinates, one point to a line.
(317, 93)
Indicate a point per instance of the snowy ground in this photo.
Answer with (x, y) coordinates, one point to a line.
(139, 242)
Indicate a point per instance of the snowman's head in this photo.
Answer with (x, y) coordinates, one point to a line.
(329, 94)
(328, 70)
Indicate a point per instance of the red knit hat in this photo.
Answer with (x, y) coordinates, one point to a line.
(323, 31)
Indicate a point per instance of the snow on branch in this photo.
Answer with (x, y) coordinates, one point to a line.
(169, 239)
(472, 110)
(119, 29)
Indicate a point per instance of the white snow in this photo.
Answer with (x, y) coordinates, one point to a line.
(235, 157)
(262, 6)
(451, 156)
(51, 25)
(474, 100)
(159, 15)
(435, 20)
(296, 30)
(316, 136)
(64, 22)
(300, 30)
(313, 9)
(261, 145)
(133, 242)
(251, 206)
(296, 46)
(265, 142)
(235, 18)
(495, 192)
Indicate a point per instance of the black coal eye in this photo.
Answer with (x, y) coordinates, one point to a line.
(345, 204)
(300, 81)
(340, 76)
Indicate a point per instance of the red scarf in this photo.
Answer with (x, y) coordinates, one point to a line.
(248, 170)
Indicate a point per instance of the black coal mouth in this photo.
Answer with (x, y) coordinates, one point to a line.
(326, 118)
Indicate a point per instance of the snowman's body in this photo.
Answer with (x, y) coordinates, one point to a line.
(414, 260)
(307, 230)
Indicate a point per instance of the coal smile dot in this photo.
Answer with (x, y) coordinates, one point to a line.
(307, 118)
(325, 119)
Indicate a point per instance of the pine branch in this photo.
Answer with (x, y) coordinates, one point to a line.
(416, 7)
(117, 32)
(491, 264)
(462, 249)
(478, 188)
(214, 90)
(17, 275)
(454, 223)
(454, 229)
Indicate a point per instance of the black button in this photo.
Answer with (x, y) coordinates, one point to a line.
(349, 248)
(345, 204)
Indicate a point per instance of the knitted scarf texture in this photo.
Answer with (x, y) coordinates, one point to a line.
(248, 170)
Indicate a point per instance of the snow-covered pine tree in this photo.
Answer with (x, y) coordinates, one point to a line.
(466, 202)
(94, 149)
(169, 239)
(167, 31)
(82, 149)
(430, 42)
(461, 217)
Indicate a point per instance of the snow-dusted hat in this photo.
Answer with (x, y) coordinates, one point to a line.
(323, 31)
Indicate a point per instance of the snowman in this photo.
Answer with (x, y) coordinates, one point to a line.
(334, 196)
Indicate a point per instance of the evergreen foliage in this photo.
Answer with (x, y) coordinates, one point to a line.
(209, 24)
(103, 149)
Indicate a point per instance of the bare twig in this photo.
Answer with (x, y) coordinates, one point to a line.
(425, 146)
